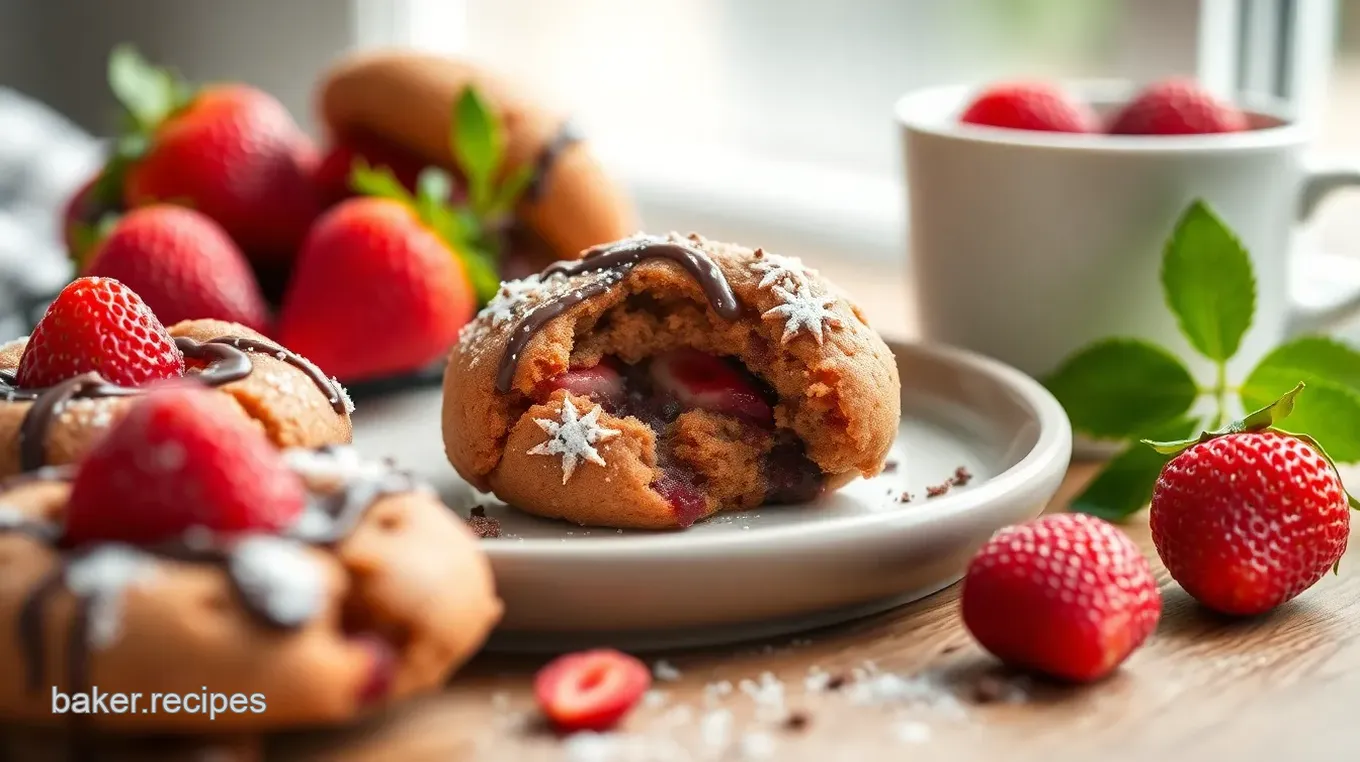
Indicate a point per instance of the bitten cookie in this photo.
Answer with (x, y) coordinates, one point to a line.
(662, 379)
(305, 587)
(405, 100)
(290, 398)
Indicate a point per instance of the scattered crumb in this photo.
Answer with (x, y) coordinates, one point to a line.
(715, 728)
(962, 476)
(938, 489)
(817, 680)
(768, 695)
(589, 746)
(905, 497)
(912, 732)
(482, 525)
(797, 720)
(478, 511)
(760, 253)
(655, 699)
(891, 467)
(665, 671)
(836, 682)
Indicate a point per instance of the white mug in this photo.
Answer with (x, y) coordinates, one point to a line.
(1026, 246)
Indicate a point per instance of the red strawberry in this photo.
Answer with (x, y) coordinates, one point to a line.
(83, 217)
(700, 380)
(182, 264)
(99, 325)
(376, 291)
(236, 155)
(600, 382)
(1030, 106)
(332, 175)
(182, 457)
(1067, 595)
(1245, 522)
(590, 690)
(1177, 107)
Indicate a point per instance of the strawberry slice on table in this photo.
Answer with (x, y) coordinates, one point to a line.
(1067, 595)
(708, 382)
(98, 325)
(1031, 106)
(183, 264)
(1177, 107)
(182, 457)
(590, 690)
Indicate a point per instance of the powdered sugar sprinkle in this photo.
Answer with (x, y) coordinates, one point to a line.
(573, 437)
(802, 311)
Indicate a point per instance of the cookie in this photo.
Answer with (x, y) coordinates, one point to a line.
(377, 592)
(406, 100)
(662, 379)
(291, 399)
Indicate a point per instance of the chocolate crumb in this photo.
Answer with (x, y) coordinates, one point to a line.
(905, 497)
(938, 489)
(797, 720)
(478, 511)
(962, 476)
(891, 467)
(989, 690)
(484, 527)
(836, 682)
(760, 253)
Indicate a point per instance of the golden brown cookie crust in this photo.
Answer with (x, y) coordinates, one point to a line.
(840, 396)
(410, 572)
(406, 98)
(280, 398)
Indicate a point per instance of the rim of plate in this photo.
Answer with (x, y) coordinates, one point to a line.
(1054, 444)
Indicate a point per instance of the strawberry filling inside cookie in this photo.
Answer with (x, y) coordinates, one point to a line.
(714, 424)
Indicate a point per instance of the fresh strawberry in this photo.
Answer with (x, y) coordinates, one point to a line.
(590, 690)
(182, 264)
(230, 151)
(332, 175)
(1247, 521)
(1030, 106)
(699, 380)
(182, 457)
(84, 218)
(1066, 595)
(600, 382)
(98, 325)
(376, 291)
(1177, 107)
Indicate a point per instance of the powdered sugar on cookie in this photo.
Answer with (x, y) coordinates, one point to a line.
(801, 310)
(100, 578)
(573, 437)
(279, 576)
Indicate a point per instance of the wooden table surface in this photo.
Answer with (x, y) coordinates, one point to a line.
(908, 684)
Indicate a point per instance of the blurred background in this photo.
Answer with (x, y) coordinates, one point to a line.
(764, 121)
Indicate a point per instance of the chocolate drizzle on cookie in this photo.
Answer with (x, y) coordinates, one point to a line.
(269, 573)
(567, 136)
(226, 362)
(616, 259)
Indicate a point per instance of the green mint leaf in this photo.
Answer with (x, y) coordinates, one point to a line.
(1330, 411)
(480, 267)
(379, 182)
(148, 93)
(1121, 387)
(1125, 485)
(478, 145)
(1267, 416)
(1208, 282)
(433, 187)
(511, 190)
(462, 232)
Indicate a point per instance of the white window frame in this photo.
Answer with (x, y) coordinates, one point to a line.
(1282, 48)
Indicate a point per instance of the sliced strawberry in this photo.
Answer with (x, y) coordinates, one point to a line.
(707, 382)
(99, 325)
(182, 457)
(686, 499)
(600, 382)
(590, 690)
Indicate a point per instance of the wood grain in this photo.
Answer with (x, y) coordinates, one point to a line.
(1282, 686)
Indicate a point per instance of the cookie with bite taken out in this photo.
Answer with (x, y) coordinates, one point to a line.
(187, 555)
(660, 380)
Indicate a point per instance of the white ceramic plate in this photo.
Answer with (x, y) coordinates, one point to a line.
(776, 569)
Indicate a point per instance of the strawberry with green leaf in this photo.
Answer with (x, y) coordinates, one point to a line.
(230, 151)
(1243, 513)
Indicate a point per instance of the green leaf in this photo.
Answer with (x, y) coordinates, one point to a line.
(478, 145)
(1121, 387)
(1208, 282)
(379, 182)
(1269, 415)
(1125, 485)
(149, 93)
(481, 271)
(511, 190)
(433, 187)
(1330, 411)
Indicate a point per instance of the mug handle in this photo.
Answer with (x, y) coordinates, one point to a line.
(1339, 298)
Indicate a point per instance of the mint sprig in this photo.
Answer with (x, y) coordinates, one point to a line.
(1133, 390)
